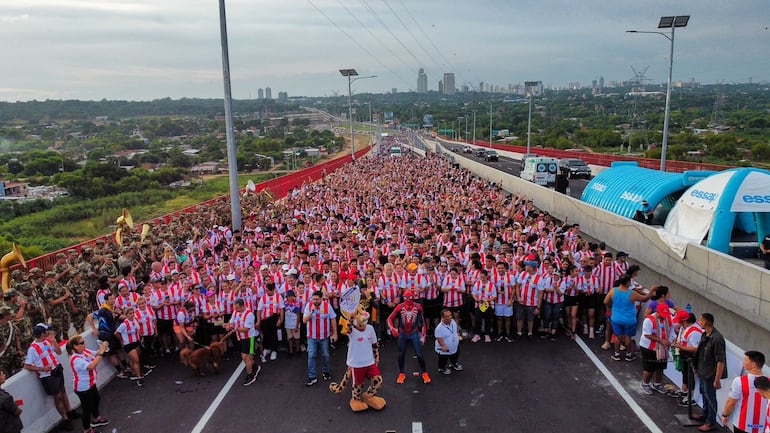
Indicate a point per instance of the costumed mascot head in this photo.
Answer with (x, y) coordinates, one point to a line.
(363, 352)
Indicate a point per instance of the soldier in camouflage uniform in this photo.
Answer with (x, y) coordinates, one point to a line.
(62, 268)
(81, 300)
(89, 270)
(35, 306)
(59, 301)
(108, 268)
(17, 305)
(11, 355)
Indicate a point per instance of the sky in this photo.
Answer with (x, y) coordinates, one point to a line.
(149, 49)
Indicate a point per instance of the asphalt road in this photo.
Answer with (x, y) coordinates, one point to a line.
(513, 166)
(524, 386)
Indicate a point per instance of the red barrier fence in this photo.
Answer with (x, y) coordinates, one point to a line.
(607, 160)
(279, 187)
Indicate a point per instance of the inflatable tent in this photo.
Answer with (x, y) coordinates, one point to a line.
(622, 188)
(735, 198)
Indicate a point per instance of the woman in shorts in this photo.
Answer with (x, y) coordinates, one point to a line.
(130, 335)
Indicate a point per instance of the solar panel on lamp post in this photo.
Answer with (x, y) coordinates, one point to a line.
(352, 73)
(667, 22)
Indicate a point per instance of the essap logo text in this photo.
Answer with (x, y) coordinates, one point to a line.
(703, 195)
(759, 199)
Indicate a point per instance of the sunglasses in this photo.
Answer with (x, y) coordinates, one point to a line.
(80, 343)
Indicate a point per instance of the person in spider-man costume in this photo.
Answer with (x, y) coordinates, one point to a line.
(407, 323)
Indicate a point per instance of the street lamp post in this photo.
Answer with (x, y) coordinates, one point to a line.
(490, 124)
(232, 163)
(474, 127)
(530, 85)
(352, 73)
(671, 22)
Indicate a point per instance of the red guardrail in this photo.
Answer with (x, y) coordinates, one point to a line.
(607, 160)
(279, 187)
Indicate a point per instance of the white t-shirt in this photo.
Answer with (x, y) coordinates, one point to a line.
(360, 352)
(448, 333)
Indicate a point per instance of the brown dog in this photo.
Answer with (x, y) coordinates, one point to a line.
(204, 359)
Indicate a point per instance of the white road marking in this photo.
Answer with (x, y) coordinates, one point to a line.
(416, 427)
(640, 413)
(218, 400)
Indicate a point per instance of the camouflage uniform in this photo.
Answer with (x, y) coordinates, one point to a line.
(23, 325)
(80, 298)
(11, 359)
(35, 305)
(59, 314)
(90, 278)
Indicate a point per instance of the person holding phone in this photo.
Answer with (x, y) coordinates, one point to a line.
(83, 363)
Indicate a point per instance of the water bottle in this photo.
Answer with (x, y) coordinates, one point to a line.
(280, 335)
(688, 308)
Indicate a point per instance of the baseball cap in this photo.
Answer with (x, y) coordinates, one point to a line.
(681, 316)
(290, 293)
(231, 277)
(285, 267)
(40, 329)
(663, 310)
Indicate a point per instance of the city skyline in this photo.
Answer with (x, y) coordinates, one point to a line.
(140, 50)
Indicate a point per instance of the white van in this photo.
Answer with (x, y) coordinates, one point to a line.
(540, 170)
(395, 151)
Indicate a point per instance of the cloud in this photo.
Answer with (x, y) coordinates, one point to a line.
(11, 19)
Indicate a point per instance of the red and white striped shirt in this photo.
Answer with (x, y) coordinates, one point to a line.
(505, 283)
(41, 355)
(319, 325)
(145, 318)
(244, 319)
(121, 303)
(270, 305)
(129, 331)
(749, 414)
(484, 292)
(530, 287)
(388, 288)
(453, 289)
(83, 378)
(606, 276)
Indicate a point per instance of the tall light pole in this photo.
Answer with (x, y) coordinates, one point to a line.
(232, 163)
(490, 124)
(352, 73)
(529, 85)
(667, 23)
(474, 128)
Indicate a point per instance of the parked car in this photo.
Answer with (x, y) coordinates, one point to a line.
(491, 155)
(456, 149)
(480, 152)
(467, 149)
(576, 167)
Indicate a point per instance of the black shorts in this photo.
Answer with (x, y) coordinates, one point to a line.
(525, 312)
(114, 344)
(54, 384)
(131, 346)
(570, 301)
(165, 326)
(587, 302)
(217, 330)
(650, 361)
(249, 346)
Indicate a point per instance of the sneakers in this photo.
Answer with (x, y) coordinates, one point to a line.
(263, 359)
(615, 356)
(326, 376)
(591, 334)
(606, 345)
(684, 402)
(659, 387)
(149, 366)
(256, 373)
(401, 378)
(273, 356)
(311, 381)
(458, 367)
(425, 378)
(646, 388)
(487, 339)
(508, 339)
(552, 337)
(123, 375)
(630, 357)
(73, 414)
(499, 338)
(98, 422)
(249, 379)
(585, 329)
(139, 383)
(135, 377)
(476, 338)
(447, 371)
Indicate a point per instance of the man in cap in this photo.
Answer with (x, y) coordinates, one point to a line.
(59, 301)
(61, 268)
(80, 300)
(654, 344)
(42, 359)
(11, 355)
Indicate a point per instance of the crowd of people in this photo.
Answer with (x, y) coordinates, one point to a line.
(441, 253)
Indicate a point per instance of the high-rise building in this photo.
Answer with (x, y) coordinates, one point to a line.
(260, 94)
(283, 96)
(601, 82)
(268, 93)
(449, 83)
(394, 90)
(422, 81)
(441, 87)
(481, 86)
